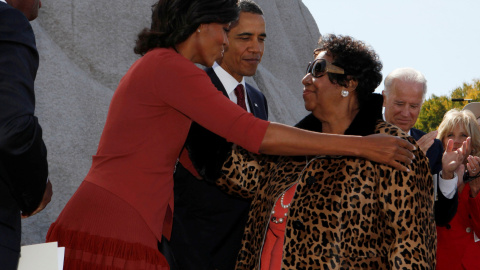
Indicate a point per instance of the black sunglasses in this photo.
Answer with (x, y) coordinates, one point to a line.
(320, 67)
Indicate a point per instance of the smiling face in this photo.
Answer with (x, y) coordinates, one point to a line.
(211, 43)
(403, 104)
(320, 92)
(458, 135)
(246, 45)
(457, 126)
(28, 7)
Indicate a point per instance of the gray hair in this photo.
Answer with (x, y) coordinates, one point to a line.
(405, 75)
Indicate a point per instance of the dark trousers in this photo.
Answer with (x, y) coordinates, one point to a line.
(8, 259)
(164, 248)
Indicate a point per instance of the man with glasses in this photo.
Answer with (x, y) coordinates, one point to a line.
(208, 224)
(403, 96)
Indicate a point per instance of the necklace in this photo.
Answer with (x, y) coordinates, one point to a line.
(284, 217)
(281, 201)
(282, 197)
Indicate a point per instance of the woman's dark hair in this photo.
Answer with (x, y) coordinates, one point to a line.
(173, 21)
(359, 61)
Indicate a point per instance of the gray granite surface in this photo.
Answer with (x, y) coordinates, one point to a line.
(86, 47)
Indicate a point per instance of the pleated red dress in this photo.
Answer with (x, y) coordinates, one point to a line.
(125, 204)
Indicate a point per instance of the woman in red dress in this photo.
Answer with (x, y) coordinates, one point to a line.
(124, 206)
(458, 243)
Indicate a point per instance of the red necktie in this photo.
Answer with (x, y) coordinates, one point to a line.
(240, 96)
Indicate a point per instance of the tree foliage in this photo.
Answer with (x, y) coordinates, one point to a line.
(435, 107)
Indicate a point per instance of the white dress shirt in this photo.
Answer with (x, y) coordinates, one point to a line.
(230, 83)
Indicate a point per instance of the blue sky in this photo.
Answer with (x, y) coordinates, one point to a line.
(439, 38)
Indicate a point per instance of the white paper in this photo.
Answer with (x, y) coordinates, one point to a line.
(61, 257)
(44, 256)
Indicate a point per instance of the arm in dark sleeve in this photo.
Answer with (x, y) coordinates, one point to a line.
(445, 209)
(23, 155)
(207, 151)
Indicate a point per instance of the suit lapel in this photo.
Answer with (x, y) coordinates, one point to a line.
(216, 81)
(256, 107)
(415, 134)
(251, 103)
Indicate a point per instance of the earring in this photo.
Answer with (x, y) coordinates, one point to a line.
(344, 93)
(198, 30)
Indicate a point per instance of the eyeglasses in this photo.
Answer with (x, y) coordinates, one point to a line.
(320, 67)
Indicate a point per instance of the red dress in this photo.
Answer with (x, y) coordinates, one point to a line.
(456, 247)
(125, 203)
(272, 250)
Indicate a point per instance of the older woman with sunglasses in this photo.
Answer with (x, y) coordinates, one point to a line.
(332, 212)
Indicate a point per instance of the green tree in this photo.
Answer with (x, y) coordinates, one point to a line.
(435, 107)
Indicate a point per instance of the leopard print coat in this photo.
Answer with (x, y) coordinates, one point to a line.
(347, 212)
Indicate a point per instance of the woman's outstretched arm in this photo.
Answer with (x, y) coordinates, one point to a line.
(285, 140)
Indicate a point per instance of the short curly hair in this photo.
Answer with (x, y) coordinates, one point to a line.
(360, 62)
(173, 21)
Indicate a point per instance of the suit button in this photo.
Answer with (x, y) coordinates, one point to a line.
(469, 230)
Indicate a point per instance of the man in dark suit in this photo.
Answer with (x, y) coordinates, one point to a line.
(405, 90)
(208, 224)
(24, 186)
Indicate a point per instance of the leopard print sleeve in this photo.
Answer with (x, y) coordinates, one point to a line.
(242, 170)
(407, 200)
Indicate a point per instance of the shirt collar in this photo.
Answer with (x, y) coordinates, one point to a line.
(3, 1)
(228, 81)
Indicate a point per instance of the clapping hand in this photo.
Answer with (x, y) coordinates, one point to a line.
(473, 168)
(452, 161)
(426, 141)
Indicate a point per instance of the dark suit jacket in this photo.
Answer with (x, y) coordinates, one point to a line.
(445, 209)
(208, 224)
(23, 156)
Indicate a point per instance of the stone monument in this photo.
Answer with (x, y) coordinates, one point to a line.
(86, 47)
